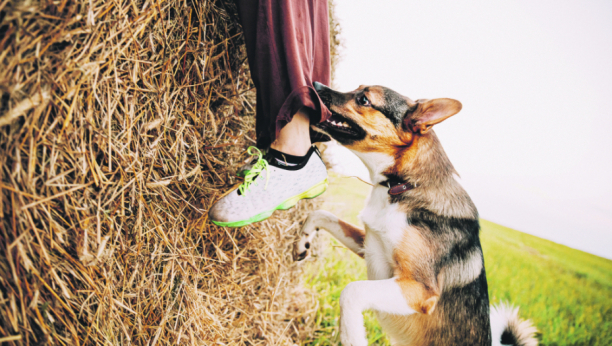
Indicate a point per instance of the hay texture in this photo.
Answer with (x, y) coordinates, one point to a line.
(121, 122)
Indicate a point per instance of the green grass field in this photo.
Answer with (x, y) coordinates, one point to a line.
(566, 293)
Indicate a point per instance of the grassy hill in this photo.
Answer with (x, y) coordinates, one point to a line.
(566, 293)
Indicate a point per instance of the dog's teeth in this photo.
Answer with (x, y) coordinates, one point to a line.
(338, 123)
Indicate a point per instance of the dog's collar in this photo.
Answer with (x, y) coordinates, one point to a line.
(397, 187)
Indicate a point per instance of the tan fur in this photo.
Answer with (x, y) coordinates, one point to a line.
(426, 114)
(414, 329)
(373, 93)
(419, 153)
(381, 134)
(400, 145)
(418, 296)
(431, 170)
(412, 258)
(354, 232)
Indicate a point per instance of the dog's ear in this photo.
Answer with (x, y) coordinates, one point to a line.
(430, 112)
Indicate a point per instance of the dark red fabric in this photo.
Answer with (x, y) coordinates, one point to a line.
(287, 45)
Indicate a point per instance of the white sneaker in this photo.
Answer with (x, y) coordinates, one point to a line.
(268, 187)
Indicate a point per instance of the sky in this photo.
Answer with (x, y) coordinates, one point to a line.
(533, 142)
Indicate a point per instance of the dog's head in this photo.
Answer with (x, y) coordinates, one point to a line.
(378, 119)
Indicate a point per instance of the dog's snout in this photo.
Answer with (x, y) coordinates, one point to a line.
(319, 86)
(326, 94)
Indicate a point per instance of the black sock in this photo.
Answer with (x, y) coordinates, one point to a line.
(286, 161)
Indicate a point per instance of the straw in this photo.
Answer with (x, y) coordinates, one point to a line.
(120, 124)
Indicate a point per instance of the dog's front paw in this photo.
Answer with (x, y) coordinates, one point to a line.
(302, 248)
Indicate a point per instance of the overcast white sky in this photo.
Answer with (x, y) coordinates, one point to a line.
(533, 143)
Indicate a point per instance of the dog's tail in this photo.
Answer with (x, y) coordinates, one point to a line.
(508, 329)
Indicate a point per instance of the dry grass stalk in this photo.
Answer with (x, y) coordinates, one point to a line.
(121, 122)
(335, 38)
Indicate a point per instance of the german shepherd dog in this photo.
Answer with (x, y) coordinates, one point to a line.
(426, 275)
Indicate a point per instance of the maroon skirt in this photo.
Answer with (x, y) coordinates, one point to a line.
(287, 44)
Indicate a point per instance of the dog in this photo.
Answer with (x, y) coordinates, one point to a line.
(426, 274)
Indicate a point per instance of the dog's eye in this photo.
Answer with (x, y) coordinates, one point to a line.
(363, 100)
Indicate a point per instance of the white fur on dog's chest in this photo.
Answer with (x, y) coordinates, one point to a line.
(385, 225)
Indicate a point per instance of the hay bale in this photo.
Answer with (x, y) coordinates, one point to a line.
(120, 124)
(335, 40)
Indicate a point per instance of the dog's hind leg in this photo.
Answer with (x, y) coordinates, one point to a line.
(352, 237)
(387, 296)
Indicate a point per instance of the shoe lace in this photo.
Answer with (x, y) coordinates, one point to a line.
(251, 174)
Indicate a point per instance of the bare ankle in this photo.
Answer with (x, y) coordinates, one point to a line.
(294, 138)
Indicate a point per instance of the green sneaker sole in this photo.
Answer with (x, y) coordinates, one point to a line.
(313, 192)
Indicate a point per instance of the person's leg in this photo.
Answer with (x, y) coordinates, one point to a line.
(294, 138)
(287, 44)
